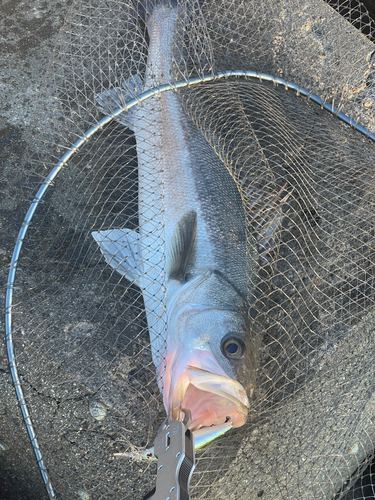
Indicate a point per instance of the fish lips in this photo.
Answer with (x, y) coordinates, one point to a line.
(211, 398)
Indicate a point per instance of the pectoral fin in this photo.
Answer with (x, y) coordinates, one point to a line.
(110, 100)
(182, 246)
(121, 251)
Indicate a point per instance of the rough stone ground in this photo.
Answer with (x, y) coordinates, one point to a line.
(27, 34)
(28, 31)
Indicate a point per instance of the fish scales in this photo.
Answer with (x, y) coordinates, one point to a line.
(189, 257)
(193, 177)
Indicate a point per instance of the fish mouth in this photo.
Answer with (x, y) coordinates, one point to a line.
(211, 399)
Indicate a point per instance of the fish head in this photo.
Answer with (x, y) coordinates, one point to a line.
(210, 360)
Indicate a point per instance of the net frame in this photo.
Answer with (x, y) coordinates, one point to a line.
(65, 159)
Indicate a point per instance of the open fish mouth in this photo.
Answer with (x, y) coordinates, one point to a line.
(211, 398)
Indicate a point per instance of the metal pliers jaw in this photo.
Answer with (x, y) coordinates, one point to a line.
(174, 448)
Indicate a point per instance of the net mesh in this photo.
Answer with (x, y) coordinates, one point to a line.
(357, 13)
(80, 331)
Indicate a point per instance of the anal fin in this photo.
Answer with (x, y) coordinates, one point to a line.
(110, 100)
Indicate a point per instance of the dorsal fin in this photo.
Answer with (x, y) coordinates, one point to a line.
(266, 212)
(182, 246)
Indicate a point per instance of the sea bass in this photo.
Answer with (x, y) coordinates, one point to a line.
(190, 256)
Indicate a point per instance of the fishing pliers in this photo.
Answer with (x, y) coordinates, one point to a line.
(174, 449)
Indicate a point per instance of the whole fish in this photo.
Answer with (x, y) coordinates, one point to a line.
(190, 256)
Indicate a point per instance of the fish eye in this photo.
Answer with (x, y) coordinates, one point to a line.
(233, 348)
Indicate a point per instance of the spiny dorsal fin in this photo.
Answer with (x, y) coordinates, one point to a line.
(267, 214)
(182, 245)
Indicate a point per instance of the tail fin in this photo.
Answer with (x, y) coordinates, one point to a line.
(146, 7)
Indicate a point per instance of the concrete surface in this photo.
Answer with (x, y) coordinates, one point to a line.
(28, 32)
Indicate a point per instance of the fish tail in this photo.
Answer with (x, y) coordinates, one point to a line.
(146, 7)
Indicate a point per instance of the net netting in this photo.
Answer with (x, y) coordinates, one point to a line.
(80, 332)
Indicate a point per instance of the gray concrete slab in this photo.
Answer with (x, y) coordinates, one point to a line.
(27, 33)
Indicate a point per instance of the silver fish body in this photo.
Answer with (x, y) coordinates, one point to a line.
(190, 256)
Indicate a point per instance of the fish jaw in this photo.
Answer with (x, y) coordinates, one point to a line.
(213, 399)
(196, 382)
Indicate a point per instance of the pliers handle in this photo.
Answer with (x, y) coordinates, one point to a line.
(174, 448)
